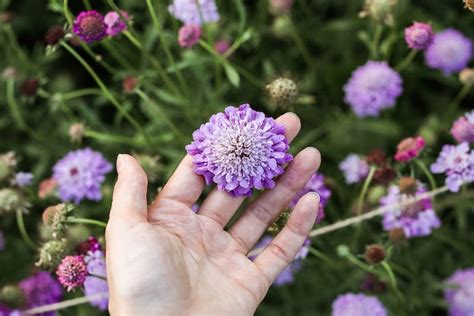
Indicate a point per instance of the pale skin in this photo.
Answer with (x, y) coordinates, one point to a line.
(164, 259)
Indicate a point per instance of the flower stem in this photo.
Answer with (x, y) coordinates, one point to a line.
(79, 93)
(406, 61)
(74, 220)
(14, 109)
(427, 173)
(302, 47)
(365, 187)
(67, 14)
(109, 138)
(374, 49)
(392, 279)
(459, 97)
(23, 231)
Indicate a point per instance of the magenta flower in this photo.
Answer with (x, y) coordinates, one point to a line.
(72, 272)
(419, 36)
(195, 12)
(222, 46)
(409, 148)
(115, 23)
(91, 244)
(463, 128)
(459, 293)
(354, 168)
(189, 35)
(41, 289)
(89, 26)
(240, 149)
(96, 281)
(351, 304)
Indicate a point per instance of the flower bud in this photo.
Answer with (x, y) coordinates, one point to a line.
(47, 187)
(384, 175)
(54, 35)
(72, 272)
(76, 132)
(51, 254)
(283, 93)
(11, 201)
(375, 193)
(278, 7)
(9, 73)
(281, 26)
(12, 295)
(407, 185)
(375, 254)
(376, 157)
(30, 87)
(6, 17)
(379, 10)
(129, 84)
(409, 148)
(189, 35)
(91, 244)
(373, 284)
(466, 76)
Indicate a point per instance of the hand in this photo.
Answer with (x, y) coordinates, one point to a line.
(167, 260)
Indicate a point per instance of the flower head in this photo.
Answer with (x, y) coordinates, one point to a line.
(55, 218)
(95, 283)
(459, 293)
(463, 128)
(47, 187)
(54, 35)
(240, 149)
(11, 201)
(51, 254)
(416, 219)
(351, 304)
(91, 244)
(79, 175)
(194, 11)
(283, 93)
(372, 88)
(222, 46)
(450, 51)
(29, 87)
(419, 36)
(41, 289)
(189, 35)
(23, 179)
(457, 162)
(89, 26)
(409, 148)
(72, 272)
(281, 6)
(354, 168)
(115, 23)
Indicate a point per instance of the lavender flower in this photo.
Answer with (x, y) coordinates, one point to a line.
(239, 150)
(94, 283)
(450, 51)
(89, 26)
(457, 162)
(463, 128)
(23, 179)
(79, 175)
(354, 168)
(41, 289)
(189, 35)
(459, 293)
(72, 272)
(417, 219)
(351, 304)
(419, 36)
(194, 11)
(372, 88)
(115, 23)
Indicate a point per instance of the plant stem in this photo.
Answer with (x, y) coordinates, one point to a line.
(427, 173)
(74, 220)
(14, 109)
(406, 61)
(302, 47)
(109, 138)
(365, 187)
(79, 93)
(392, 279)
(23, 231)
(67, 14)
(374, 49)
(452, 107)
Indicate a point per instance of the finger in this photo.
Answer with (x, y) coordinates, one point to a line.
(219, 205)
(263, 211)
(283, 249)
(129, 198)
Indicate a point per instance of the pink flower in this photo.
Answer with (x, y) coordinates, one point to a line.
(72, 272)
(189, 35)
(115, 23)
(222, 46)
(463, 128)
(419, 36)
(409, 148)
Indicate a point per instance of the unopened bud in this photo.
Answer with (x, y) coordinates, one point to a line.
(375, 254)
(12, 295)
(76, 132)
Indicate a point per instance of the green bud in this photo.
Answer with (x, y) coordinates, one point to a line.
(379, 10)
(283, 93)
(12, 296)
(281, 26)
(51, 254)
(11, 201)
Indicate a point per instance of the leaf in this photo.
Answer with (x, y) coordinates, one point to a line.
(232, 74)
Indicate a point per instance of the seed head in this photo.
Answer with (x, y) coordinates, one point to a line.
(407, 185)
(76, 132)
(54, 35)
(12, 295)
(283, 93)
(51, 254)
(375, 254)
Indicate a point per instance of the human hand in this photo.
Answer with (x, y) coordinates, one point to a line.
(166, 260)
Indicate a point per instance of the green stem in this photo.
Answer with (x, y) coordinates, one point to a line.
(427, 173)
(23, 231)
(67, 14)
(392, 279)
(116, 55)
(87, 5)
(79, 93)
(365, 187)
(374, 51)
(14, 44)
(302, 47)
(109, 138)
(73, 220)
(452, 107)
(100, 61)
(321, 256)
(14, 108)
(406, 61)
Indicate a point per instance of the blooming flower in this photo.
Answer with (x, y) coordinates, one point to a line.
(419, 36)
(194, 11)
(457, 162)
(450, 51)
(417, 219)
(372, 88)
(463, 128)
(354, 168)
(23, 179)
(72, 272)
(409, 148)
(79, 175)
(189, 35)
(240, 149)
(91, 244)
(89, 26)
(95, 283)
(351, 304)
(115, 23)
(47, 187)
(41, 289)
(222, 46)
(459, 293)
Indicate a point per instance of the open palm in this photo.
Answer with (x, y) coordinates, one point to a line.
(167, 260)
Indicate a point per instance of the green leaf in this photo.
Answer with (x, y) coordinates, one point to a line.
(232, 74)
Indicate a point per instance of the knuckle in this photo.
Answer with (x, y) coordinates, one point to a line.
(279, 251)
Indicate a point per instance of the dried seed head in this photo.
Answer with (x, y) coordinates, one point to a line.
(376, 157)
(55, 217)
(51, 254)
(283, 93)
(469, 4)
(466, 76)
(76, 132)
(407, 185)
(375, 254)
(397, 235)
(379, 10)
(54, 35)
(280, 222)
(11, 201)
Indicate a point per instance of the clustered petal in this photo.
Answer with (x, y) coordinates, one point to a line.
(23, 179)
(96, 282)
(409, 148)
(459, 293)
(419, 35)
(240, 149)
(194, 11)
(351, 304)
(463, 128)
(41, 289)
(189, 35)
(72, 272)
(89, 26)
(115, 23)
(354, 168)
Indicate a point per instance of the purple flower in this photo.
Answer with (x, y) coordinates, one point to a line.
(417, 219)
(240, 149)
(95, 284)
(91, 244)
(459, 293)
(41, 289)
(72, 272)
(89, 26)
(419, 36)
(457, 162)
(463, 128)
(23, 179)
(351, 304)
(372, 88)
(115, 23)
(450, 51)
(194, 11)
(222, 46)
(5, 310)
(79, 175)
(189, 35)
(354, 168)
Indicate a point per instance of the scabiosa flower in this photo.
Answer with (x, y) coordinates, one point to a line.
(89, 26)
(459, 293)
(351, 304)
(409, 148)
(240, 149)
(372, 88)
(72, 272)
(115, 23)
(463, 128)
(450, 51)
(95, 283)
(457, 162)
(222, 46)
(79, 175)
(23, 179)
(417, 219)
(419, 35)
(189, 35)
(194, 11)
(354, 168)
(89, 245)
(47, 187)
(41, 289)
(129, 84)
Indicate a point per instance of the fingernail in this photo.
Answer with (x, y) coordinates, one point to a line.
(119, 162)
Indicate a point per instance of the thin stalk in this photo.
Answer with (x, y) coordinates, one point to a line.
(392, 279)
(79, 93)
(374, 51)
(300, 44)
(109, 138)
(427, 173)
(113, 52)
(67, 14)
(321, 255)
(100, 61)
(24, 233)
(365, 187)
(74, 220)
(14, 44)
(14, 108)
(452, 107)
(406, 61)
(87, 5)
